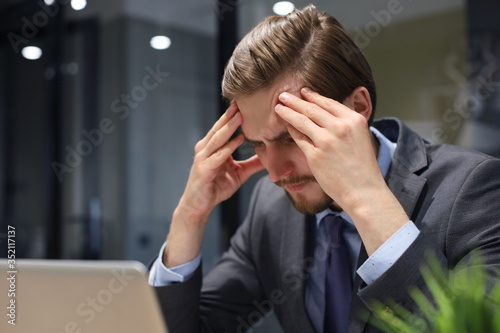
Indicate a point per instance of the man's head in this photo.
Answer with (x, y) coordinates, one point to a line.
(308, 45)
(305, 48)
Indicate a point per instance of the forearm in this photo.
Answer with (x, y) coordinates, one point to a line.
(377, 215)
(228, 290)
(184, 238)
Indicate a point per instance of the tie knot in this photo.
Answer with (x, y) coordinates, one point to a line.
(334, 227)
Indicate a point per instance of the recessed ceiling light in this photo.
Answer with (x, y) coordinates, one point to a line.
(31, 52)
(78, 4)
(49, 2)
(160, 42)
(283, 7)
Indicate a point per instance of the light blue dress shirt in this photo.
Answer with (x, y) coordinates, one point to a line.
(369, 271)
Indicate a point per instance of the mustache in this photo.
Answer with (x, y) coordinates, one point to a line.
(296, 180)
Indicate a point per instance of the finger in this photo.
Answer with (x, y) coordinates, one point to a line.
(313, 111)
(222, 136)
(299, 121)
(223, 120)
(249, 167)
(222, 154)
(330, 105)
(300, 139)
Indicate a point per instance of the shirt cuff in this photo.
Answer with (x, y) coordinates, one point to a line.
(387, 254)
(160, 275)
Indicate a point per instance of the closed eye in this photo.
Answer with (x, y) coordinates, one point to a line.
(254, 143)
(257, 145)
(283, 138)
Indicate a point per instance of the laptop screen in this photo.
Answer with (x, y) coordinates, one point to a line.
(67, 296)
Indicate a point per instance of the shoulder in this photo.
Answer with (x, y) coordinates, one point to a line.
(420, 155)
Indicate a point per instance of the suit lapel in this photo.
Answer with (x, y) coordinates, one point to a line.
(359, 313)
(407, 189)
(295, 241)
(409, 158)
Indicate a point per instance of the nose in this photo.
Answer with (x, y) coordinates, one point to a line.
(278, 163)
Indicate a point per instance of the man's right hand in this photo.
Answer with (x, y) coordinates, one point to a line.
(214, 177)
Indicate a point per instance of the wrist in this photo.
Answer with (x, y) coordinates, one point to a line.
(189, 215)
(377, 218)
(184, 238)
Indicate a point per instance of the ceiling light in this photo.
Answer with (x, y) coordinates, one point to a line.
(283, 7)
(49, 2)
(32, 52)
(160, 42)
(78, 4)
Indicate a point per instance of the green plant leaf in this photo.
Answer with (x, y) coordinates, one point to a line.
(458, 302)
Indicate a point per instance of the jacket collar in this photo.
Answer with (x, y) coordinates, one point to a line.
(409, 159)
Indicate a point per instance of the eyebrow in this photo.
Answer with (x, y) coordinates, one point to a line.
(280, 137)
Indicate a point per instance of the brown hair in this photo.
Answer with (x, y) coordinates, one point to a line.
(309, 45)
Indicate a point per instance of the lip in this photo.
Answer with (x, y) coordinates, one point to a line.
(295, 188)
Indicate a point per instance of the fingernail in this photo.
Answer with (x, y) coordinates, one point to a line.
(284, 96)
(234, 117)
(306, 90)
(278, 107)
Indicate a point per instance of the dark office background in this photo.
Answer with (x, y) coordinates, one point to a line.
(97, 135)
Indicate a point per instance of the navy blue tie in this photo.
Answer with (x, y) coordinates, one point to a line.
(338, 280)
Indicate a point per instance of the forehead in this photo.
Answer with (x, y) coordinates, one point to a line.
(259, 119)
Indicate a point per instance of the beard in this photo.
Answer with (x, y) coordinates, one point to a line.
(301, 202)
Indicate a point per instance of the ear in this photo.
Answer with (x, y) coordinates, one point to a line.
(359, 100)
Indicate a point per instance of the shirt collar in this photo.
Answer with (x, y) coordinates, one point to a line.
(384, 159)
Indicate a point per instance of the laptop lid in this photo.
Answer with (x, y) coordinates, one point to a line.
(66, 296)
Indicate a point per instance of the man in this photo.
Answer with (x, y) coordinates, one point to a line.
(304, 97)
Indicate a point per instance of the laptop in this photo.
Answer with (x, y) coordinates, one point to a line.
(67, 296)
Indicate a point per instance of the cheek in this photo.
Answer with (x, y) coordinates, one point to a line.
(261, 153)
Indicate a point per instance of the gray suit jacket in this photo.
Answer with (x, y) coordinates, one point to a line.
(451, 194)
